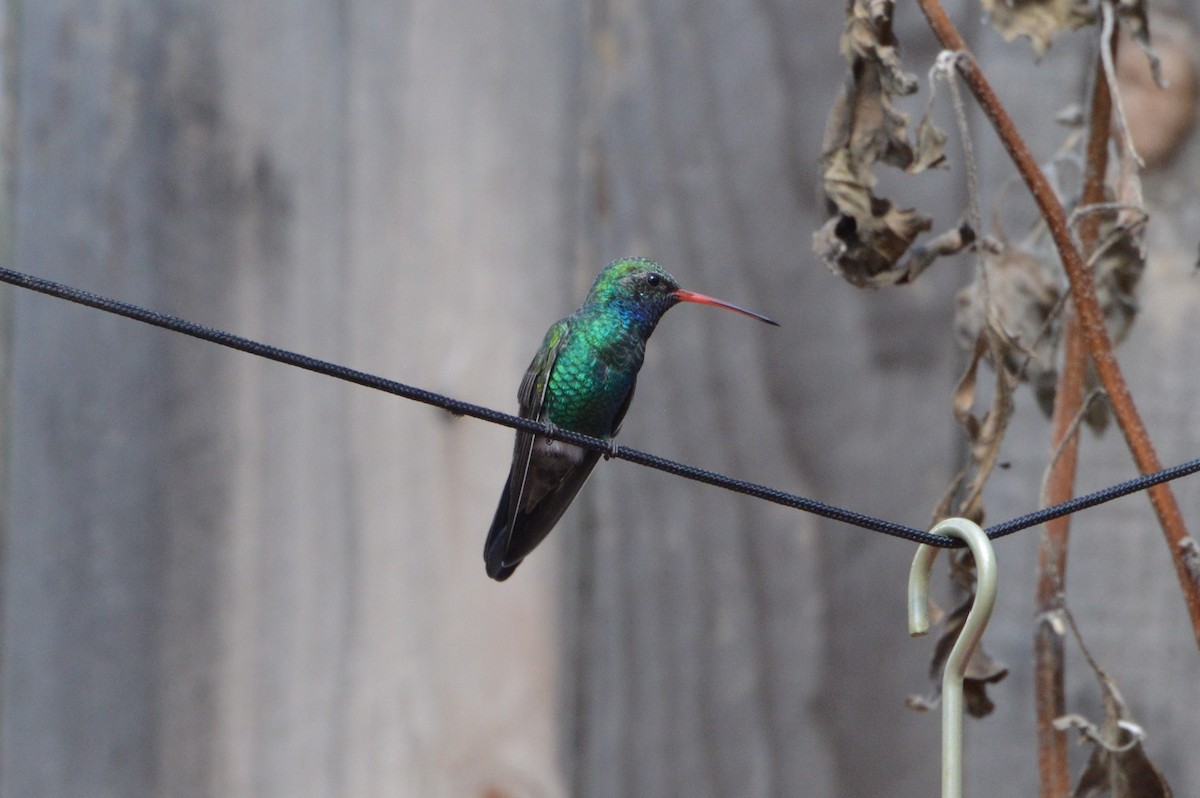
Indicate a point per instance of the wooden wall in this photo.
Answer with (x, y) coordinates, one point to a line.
(223, 577)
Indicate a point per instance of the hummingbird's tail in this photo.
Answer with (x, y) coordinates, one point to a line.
(497, 542)
(515, 534)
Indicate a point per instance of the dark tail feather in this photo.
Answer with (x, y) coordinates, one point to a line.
(506, 547)
(497, 542)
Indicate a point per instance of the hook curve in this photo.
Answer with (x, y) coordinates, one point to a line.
(968, 638)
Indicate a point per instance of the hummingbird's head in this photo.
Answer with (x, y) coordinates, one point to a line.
(644, 291)
(634, 281)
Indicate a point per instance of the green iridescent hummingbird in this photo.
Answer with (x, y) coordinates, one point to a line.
(581, 379)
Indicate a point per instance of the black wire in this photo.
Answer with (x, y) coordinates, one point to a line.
(460, 408)
(1092, 499)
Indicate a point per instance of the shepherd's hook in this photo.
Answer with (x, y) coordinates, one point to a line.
(968, 638)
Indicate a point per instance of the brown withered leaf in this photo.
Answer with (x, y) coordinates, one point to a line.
(1128, 188)
(951, 242)
(867, 236)
(1190, 549)
(1037, 20)
(1131, 216)
(1117, 265)
(868, 37)
(931, 145)
(964, 497)
(1160, 105)
(1136, 16)
(1007, 317)
(865, 248)
(981, 669)
(1118, 766)
(1024, 296)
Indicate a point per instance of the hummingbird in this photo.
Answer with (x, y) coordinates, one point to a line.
(581, 379)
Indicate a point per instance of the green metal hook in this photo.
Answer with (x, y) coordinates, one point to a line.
(968, 638)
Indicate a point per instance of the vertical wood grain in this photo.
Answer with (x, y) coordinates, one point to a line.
(223, 577)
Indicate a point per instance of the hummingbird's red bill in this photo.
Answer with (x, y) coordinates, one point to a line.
(684, 295)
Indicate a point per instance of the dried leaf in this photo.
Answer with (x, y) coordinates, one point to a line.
(1135, 14)
(1160, 104)
(963, 398)
(867, 236)
(1023, 294)
(868, 37)
(1118, 766)
(865, 250)
(1118, 264)
(1006, 317)
(1191, 557)
(1125, 774)
(981, 669)
(1038, 20)
(931, 146)
(950, 242)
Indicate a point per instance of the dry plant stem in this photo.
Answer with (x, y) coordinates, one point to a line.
(1083, 294)
(1049, 662)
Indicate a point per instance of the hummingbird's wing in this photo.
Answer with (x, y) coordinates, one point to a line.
(532, 398)
(500, 552)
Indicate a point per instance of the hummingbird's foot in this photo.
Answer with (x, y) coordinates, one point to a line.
(611, 450)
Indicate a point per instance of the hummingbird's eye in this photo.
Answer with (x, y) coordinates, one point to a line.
(653, 280)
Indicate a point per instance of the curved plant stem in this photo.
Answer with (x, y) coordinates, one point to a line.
(1049, 663)
(1083, 294)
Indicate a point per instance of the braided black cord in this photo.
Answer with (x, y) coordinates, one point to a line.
(1092, 499)
(787, 499)
(460, 408)
(176, 324)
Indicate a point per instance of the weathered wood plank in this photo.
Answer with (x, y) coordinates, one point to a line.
(722, 650)
(225, 577)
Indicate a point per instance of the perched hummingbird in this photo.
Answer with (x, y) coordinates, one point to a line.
(581, 379)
